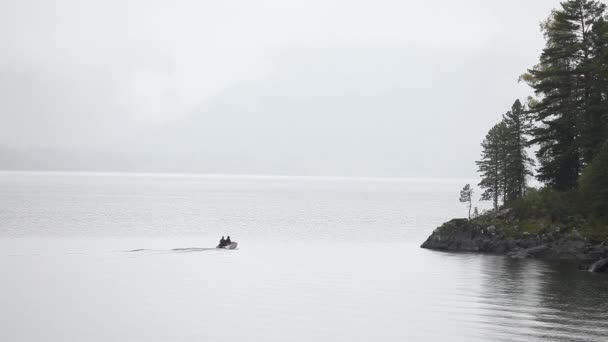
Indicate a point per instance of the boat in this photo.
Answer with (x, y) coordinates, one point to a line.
(232, 245)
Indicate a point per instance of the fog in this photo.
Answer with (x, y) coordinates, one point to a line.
(328, 88)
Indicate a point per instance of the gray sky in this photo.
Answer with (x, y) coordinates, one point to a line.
(353, 88)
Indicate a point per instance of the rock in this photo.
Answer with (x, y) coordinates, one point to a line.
(576, 235)
(531, 252)
(566, 249)
(584, 266)
(476, 236)
(598, 252)
(458, 235)
(503, 213)
(600, 266)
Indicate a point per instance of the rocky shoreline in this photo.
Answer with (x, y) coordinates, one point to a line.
(501, 236)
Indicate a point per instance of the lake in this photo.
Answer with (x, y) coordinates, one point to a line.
(130, 257)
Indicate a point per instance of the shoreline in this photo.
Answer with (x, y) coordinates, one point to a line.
(499, 234)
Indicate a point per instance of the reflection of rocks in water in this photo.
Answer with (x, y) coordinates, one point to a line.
(581, 299)
(531, 300)
(510, 298)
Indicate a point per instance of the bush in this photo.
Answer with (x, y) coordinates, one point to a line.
(546, 204)
(595, 230)
(593, 186)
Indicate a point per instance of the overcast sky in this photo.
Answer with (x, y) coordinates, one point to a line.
(354, 88)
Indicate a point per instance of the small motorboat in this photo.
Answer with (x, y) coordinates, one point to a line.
(232, 245)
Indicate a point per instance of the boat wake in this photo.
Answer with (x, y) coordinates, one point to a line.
(176, 250)
(192, 249)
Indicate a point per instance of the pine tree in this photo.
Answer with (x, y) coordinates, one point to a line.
(466, 196)
(504, 145)
(517, 161)
(492, 164)
(595, 123)
(563, 82)
(505, 165)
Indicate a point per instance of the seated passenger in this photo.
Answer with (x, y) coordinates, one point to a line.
(228, 242)
(222, 243)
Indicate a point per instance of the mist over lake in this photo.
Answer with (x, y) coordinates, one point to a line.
(131, 257)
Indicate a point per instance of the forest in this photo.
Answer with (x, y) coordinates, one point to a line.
(564, 124)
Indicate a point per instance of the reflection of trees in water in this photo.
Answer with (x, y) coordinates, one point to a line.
(531, 300)
(510, 298)
(579, 300)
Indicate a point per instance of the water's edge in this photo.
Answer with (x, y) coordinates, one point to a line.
(464, 235)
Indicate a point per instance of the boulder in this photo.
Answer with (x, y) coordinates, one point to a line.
(532, 252)
(464, 235)
(600, 266)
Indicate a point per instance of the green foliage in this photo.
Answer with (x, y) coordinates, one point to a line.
(517, 162)
(533, 226)
(504, 163)
(567, 122)
(528, 226)
(595, 230)
(569, 82)
(546, 204)
(492, 164)
(594, 185)
(594, 121)
(547, 208)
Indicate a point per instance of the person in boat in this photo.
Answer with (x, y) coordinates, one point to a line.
(228, 242)
(222, 243)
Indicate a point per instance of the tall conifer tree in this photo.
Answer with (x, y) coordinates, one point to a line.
(595, 123)
(563, 82)
(492, 164)
(517, 160)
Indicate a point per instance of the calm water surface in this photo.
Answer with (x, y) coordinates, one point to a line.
(89, 257)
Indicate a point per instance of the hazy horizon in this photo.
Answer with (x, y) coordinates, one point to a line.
(397, 89)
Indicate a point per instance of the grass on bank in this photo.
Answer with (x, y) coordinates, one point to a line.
(546, 211)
